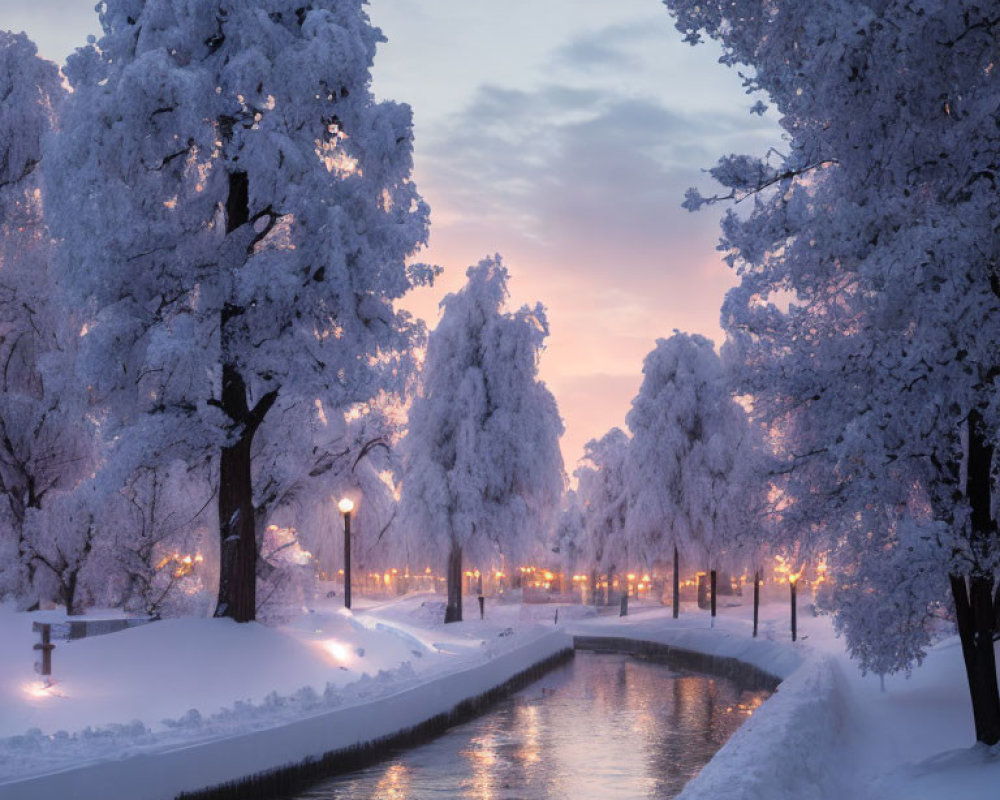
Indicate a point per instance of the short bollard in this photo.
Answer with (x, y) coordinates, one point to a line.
(482, 607)
(45, 666)
(623, 610)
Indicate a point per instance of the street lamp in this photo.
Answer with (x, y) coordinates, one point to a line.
(792, 581)
(346, 506)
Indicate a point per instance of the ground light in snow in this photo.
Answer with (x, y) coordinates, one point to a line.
(340, 652)
(41, 690)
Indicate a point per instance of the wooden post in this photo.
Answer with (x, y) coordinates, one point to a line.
(756, 600)
(46, 646)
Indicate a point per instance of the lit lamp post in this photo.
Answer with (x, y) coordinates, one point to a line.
(346, 506)
(792, 580)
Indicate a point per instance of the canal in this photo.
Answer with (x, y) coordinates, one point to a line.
(602, 726)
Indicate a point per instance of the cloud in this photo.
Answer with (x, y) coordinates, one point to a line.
(550, 163)
(580, 188)
(613, 47)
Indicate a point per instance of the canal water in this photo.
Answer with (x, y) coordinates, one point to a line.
(603, 726)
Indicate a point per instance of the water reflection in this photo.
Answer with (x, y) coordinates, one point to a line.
(604, 726)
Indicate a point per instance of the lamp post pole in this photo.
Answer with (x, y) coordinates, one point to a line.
(791, 583)
(346, 506)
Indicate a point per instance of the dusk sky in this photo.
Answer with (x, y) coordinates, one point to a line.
(561, 134)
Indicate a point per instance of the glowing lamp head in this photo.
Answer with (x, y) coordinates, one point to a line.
(346, 505)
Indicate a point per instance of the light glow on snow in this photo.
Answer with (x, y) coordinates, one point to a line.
(341, 652)
(39, 690)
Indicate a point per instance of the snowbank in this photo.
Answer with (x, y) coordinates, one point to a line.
(170, 707)
(181, 704)
(787, 748)
(158, 766)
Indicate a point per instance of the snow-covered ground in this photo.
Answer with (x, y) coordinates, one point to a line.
(170, 704)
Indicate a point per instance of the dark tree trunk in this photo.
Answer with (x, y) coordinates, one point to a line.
(238, 545)
(756, 600)
(453, 611)
(714, 583)
(677, 583)
(237, 540)
(975, 609)
(974, 612)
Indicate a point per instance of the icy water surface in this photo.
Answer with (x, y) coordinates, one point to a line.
(603, 726)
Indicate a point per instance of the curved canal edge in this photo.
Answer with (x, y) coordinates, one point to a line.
(168, 773)
(163, 771)
(741, 673)
(294, 777)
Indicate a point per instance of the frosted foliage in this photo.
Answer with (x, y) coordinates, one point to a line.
(868, 309)
(685, 471)
(159, 525)
(365, 468)
(603, 492)
(177, 98)
(483, 466)
(569, 533)
(45, 438)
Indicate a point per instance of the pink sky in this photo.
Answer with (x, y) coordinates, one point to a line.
(561, 134)
(564, 137)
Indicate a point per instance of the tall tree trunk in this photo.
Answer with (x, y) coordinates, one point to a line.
(714, 580)
(975, 610)
(237, 540)
(677, 583)
(453, 611)
(238, 545)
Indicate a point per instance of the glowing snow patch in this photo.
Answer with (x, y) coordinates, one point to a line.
(39, 689)
(340, 651)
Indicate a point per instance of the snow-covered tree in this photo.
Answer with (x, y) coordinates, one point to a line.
(603, 490)
(569, 532)
(879, 222)
(45, 440)
(483, 473)
(157, 525)
(683, 467)
(235, 211)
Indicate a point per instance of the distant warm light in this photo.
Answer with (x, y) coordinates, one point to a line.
(631, 576)
(346, 505)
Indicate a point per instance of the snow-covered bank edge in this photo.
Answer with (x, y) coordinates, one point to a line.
(746, 675)
(790, 746)
(165, 774)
